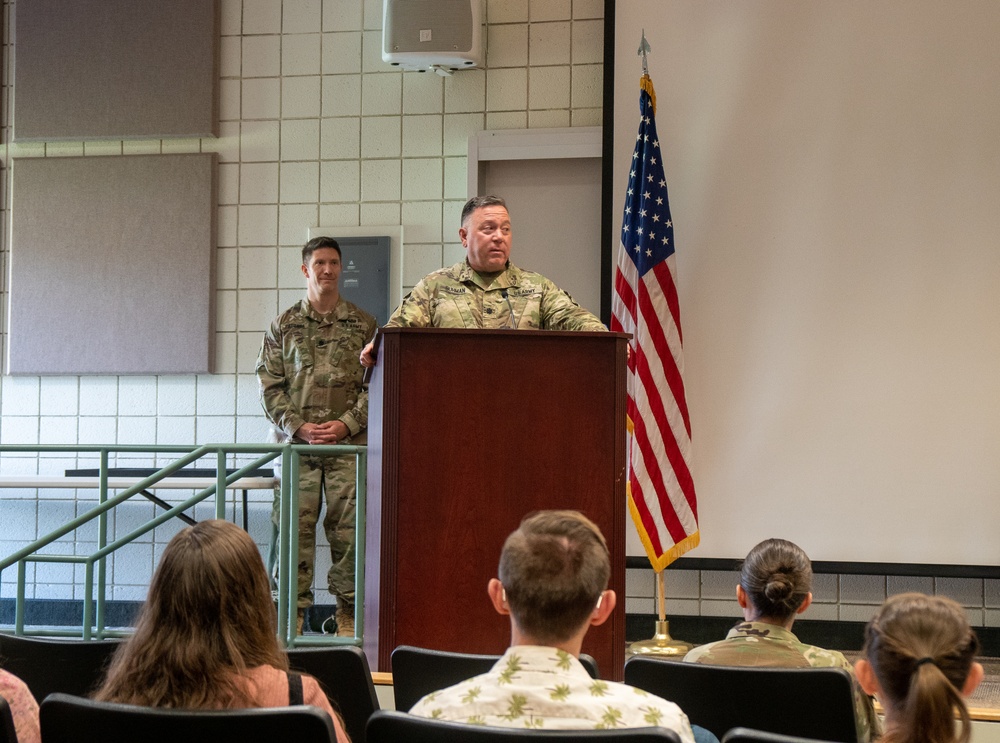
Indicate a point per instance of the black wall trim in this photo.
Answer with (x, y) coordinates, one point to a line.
(843, 636)
(69, 613)
(608, 244)
(699, 630)
(845, 568)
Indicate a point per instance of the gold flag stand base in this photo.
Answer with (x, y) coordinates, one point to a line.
(662, 644)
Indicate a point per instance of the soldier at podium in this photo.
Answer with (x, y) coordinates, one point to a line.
(486, 290)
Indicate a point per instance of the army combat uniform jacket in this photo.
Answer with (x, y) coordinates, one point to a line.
(459, 297)
(764, 645)
(309, 371)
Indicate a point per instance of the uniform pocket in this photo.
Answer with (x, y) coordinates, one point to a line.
(301, 353)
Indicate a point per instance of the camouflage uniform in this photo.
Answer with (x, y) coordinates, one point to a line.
(460, 297)
(309, 373)
(764, 645)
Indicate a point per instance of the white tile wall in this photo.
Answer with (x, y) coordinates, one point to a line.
(507, 46)
(301, 55)
(549, 10)
(507, 11)
(300, 97)
(423, 94)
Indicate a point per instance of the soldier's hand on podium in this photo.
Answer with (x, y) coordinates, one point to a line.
(368, 355)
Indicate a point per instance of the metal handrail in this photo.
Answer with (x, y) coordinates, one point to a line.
(93, 621)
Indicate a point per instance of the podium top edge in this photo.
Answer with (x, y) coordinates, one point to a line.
(503, 331)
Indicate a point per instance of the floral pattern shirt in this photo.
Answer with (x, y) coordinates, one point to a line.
(544, 687)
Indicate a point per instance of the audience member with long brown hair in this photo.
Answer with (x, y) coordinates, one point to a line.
(919, 660)
(206, 637)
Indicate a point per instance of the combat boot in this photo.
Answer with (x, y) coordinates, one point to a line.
(345, 620)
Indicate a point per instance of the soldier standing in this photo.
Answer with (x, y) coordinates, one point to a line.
(312, 392)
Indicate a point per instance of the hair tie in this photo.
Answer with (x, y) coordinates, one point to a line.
(926, 659)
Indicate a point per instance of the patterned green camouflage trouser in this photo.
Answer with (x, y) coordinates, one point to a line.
(336, 477)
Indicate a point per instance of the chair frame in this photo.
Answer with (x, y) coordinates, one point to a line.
(68, 666)
(343, 674)
(68, 719)
(813, 703)
(417, 671)
(387, 726)
(749, 735)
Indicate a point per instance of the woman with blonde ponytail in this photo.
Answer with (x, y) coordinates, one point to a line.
(919, 659)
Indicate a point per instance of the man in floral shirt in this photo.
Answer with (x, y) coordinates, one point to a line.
(553, 579)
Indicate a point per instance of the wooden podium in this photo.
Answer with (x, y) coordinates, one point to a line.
(468, 431)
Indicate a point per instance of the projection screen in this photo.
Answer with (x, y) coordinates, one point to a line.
(834, 176)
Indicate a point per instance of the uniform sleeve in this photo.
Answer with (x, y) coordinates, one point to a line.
(415, 309)
(356, 419)
(313, 695)
(274, 396)
(559, 312)
(868, 725)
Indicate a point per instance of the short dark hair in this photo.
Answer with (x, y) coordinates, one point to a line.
(315, 244)
(553, 570)
(777, 577)
(478, 202)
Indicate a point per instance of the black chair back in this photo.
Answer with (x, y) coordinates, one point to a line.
(416, 672)
(69, 719)
(808, 702)
(398, 727)
(7, 732)
(747, 735)
(345, 677)
(69, 666)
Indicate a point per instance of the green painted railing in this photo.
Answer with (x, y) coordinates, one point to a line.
(93, 624)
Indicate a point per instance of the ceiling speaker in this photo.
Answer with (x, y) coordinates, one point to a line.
(432, 34)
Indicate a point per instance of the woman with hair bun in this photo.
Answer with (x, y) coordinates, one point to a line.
(206, 637)
(774, 588)
(919, 658)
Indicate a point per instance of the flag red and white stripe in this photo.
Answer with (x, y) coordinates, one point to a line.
(661, 492)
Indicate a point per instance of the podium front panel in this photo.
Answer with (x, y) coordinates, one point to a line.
(468, 432)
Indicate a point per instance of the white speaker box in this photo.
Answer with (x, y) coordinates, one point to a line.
(432, 34)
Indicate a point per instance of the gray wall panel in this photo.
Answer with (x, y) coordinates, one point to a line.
(113, 69)
(111, 265)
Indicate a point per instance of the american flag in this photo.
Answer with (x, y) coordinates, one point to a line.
(661, 493)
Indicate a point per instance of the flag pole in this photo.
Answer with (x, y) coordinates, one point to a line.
(662, 644)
